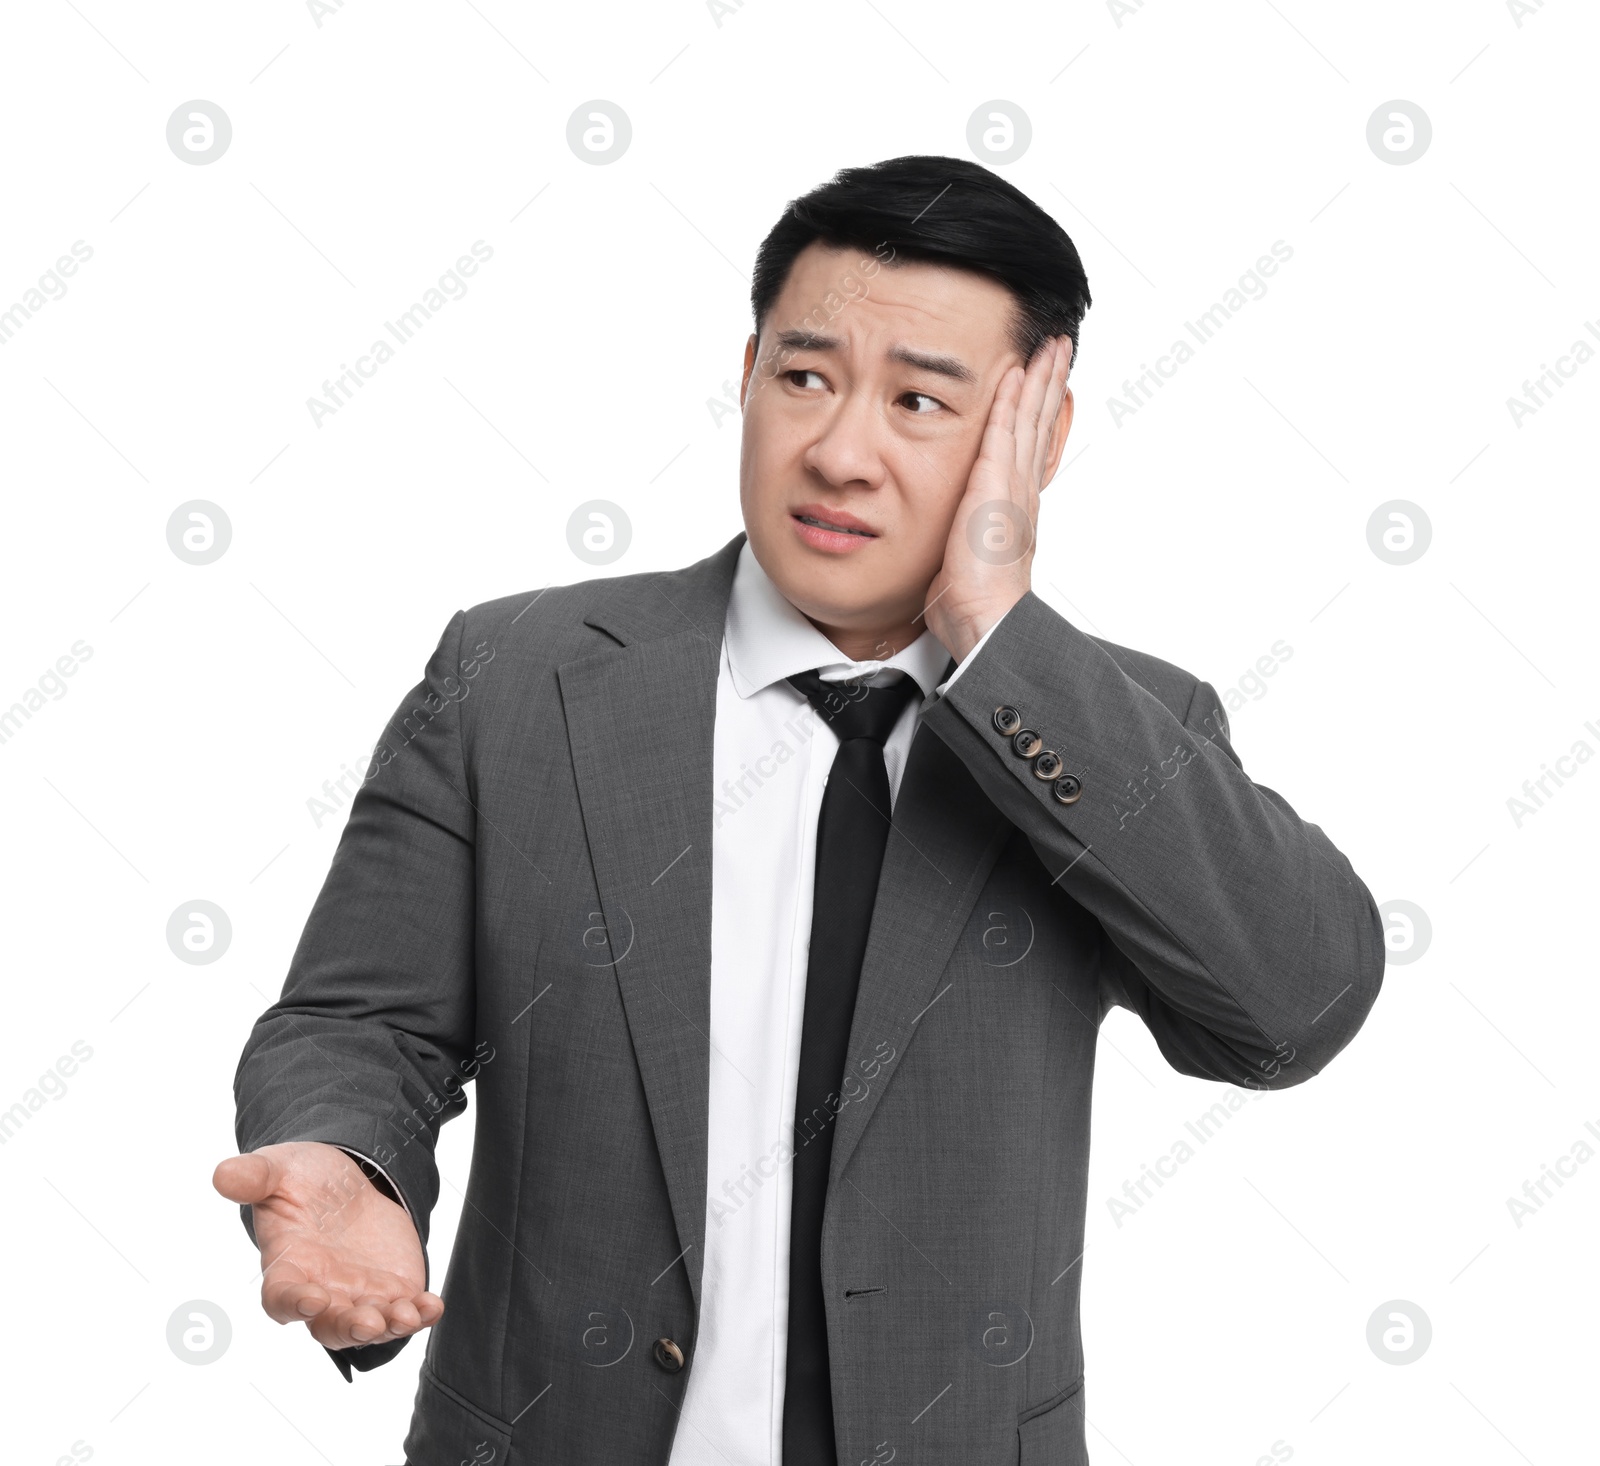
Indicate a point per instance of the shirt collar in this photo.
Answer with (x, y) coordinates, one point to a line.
(768, 639)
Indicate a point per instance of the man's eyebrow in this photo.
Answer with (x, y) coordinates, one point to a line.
(796, 340)
(944, 366)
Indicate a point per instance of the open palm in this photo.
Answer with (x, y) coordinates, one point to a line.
(336, 1254)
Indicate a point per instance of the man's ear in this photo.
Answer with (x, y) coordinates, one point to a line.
(749, 366)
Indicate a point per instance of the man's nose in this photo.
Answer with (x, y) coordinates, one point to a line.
(849, 448)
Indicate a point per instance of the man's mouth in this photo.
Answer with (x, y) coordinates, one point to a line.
(836, 528)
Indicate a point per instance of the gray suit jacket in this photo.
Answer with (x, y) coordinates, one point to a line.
(522, 898)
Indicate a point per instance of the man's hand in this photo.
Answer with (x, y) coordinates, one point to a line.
(989, 555)
(336, 1255)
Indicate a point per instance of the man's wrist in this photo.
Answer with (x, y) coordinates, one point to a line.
(966, 661)
(960, 633)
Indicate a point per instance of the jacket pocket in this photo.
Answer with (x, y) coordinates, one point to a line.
(447, 1429)
(1053, 1435)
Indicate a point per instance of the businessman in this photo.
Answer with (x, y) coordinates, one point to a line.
(772, 906)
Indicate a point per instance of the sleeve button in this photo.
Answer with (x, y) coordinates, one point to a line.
(1067, 788)
(1025, 743)
(1047, 765)
(1006, 720)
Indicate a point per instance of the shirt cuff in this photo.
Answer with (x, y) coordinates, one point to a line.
(966, 661)
(378, 1176)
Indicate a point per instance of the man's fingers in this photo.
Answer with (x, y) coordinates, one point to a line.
(1036, 411)
(403, 1317)
(344, 1323)
(327, 1328)
(285, 1288)
(999, 433)
(431, 1307)
(408, 1315)
(1055, 395)
(296, 1303)
(370, 1320)
(246, 1178)
(1030, 403)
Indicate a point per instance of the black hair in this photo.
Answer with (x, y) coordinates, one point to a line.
(943, 211)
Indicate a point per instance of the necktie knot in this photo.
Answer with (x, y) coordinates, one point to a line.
(853, 709)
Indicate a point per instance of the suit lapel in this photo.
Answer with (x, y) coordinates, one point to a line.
(640, 721)
(944, 838)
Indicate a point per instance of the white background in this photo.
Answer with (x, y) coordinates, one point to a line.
(368, 153)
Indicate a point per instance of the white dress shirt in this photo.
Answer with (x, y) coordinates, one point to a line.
(771, 759)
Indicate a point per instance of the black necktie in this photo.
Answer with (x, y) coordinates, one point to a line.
(852, 831)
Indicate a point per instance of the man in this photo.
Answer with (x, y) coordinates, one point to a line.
(773, 904)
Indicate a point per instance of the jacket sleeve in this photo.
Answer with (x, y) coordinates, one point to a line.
(1234, 928)
(372, 1039)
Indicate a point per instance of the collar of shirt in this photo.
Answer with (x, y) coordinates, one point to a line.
(768, 639)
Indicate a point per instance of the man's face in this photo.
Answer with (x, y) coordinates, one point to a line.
(865, 409)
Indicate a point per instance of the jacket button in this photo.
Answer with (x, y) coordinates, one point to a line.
(1067, 788)
(1026, 743)
(1007, 720)
(668, 1355)
(1047, 765)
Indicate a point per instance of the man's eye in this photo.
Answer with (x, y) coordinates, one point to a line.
(913, 397)
(802, 372)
